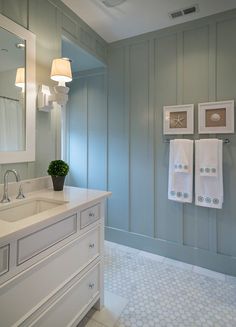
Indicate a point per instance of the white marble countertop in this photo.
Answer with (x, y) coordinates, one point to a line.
(76, 199)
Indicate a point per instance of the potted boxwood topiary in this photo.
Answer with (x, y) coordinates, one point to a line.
(58, 169)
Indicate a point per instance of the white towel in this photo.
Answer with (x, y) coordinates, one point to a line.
(181, 170)
(208, 173)
(181, 156)
(209, 154)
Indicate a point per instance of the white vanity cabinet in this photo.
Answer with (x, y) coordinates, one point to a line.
(52, 275)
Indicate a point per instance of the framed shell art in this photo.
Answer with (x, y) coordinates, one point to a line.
(178, 119)
(216, 117)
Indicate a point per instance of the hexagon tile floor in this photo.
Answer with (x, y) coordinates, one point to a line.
(160, 292)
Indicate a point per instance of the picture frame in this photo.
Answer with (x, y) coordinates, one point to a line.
(178, 119)
(216, 117)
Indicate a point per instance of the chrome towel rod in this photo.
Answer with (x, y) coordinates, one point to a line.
(225, 141)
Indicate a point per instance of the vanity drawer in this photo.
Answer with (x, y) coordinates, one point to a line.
(89, 216)
(4, 259)
(67, 309)
(33, 244)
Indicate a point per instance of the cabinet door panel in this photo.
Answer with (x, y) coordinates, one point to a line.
(73, 303)
(4, 259)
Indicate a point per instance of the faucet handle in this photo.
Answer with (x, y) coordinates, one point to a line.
(20, 193)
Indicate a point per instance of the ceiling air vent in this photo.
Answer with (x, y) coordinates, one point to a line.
(190, 10)
(112, 3)
(183, 12)
(176, 14)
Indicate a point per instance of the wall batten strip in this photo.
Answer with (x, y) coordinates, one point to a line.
(127, 109)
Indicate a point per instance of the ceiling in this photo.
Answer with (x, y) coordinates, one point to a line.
(134, 17)
(81, 60)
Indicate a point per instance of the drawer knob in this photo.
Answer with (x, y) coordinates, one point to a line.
(91, 245)
(91, 285)
(91, 214)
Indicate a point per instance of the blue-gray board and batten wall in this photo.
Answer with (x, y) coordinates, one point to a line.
(120, 146)
(119, 138)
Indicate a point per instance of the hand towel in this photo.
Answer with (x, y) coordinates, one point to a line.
(209, 185)
(208, 165)
(180, 183)
(180, 155)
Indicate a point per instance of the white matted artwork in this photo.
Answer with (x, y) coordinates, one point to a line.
(178, 119)
(216, 117)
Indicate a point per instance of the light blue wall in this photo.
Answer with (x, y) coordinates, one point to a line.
(49, 20)
(120, 147)
(189, 63)
(87, 130)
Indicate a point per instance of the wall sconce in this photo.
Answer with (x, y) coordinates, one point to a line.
(61, 73)
(20, 78)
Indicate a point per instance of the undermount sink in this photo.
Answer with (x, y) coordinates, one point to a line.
(16, 211)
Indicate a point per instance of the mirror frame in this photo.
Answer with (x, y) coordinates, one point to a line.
(30, 93)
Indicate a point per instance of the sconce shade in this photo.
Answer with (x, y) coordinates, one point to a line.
(20, 77)
(61, 70)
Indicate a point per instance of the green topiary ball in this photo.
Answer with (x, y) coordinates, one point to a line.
(58, 168)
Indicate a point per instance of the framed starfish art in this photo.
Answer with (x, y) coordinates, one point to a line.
(178, 119)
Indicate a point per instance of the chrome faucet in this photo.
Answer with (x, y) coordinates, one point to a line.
(5, 198)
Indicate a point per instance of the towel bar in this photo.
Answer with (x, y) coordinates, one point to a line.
(225, 141)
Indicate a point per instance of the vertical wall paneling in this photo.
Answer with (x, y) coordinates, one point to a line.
(212, 62)
(180, 94)
(190, 63)
(196, 65)
(128, 115)
(97, 132)
(118, 142)
(141, 154)
(195, 89)
(78, 140)
(48, 45)
(213, 235)
(151, 136)
(168, 213)
(180, 66)
(87, 116)
(226, 81)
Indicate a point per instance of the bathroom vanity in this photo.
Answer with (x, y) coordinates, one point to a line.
(51, 257)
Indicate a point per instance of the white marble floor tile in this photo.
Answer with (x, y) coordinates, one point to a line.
(178, 264)
(145, 292)
(160, 294)
(208, 273)
(113, 306)
(151, 256)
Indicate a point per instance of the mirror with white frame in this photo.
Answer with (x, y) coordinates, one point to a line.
(17, 93)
